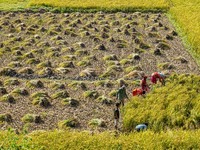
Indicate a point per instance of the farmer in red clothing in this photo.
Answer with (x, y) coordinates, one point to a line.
(137, 92)
(158, 76)
(144, 85)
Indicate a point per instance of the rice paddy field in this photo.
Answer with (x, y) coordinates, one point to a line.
(61, 62)
(104, 5)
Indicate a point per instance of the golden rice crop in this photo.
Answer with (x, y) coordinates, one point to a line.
(188, 19)
(175, 105)
(13, 4)
(110, 4)
(185, 2)
(148, 140)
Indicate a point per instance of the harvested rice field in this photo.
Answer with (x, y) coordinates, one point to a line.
(62, 70)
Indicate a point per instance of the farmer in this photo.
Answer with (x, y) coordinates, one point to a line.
(121, 93)
(158, 76)
(141, 127)
(137, 92)
(116, 115)
(144, 85)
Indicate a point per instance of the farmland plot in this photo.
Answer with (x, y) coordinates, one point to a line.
(65, 67)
